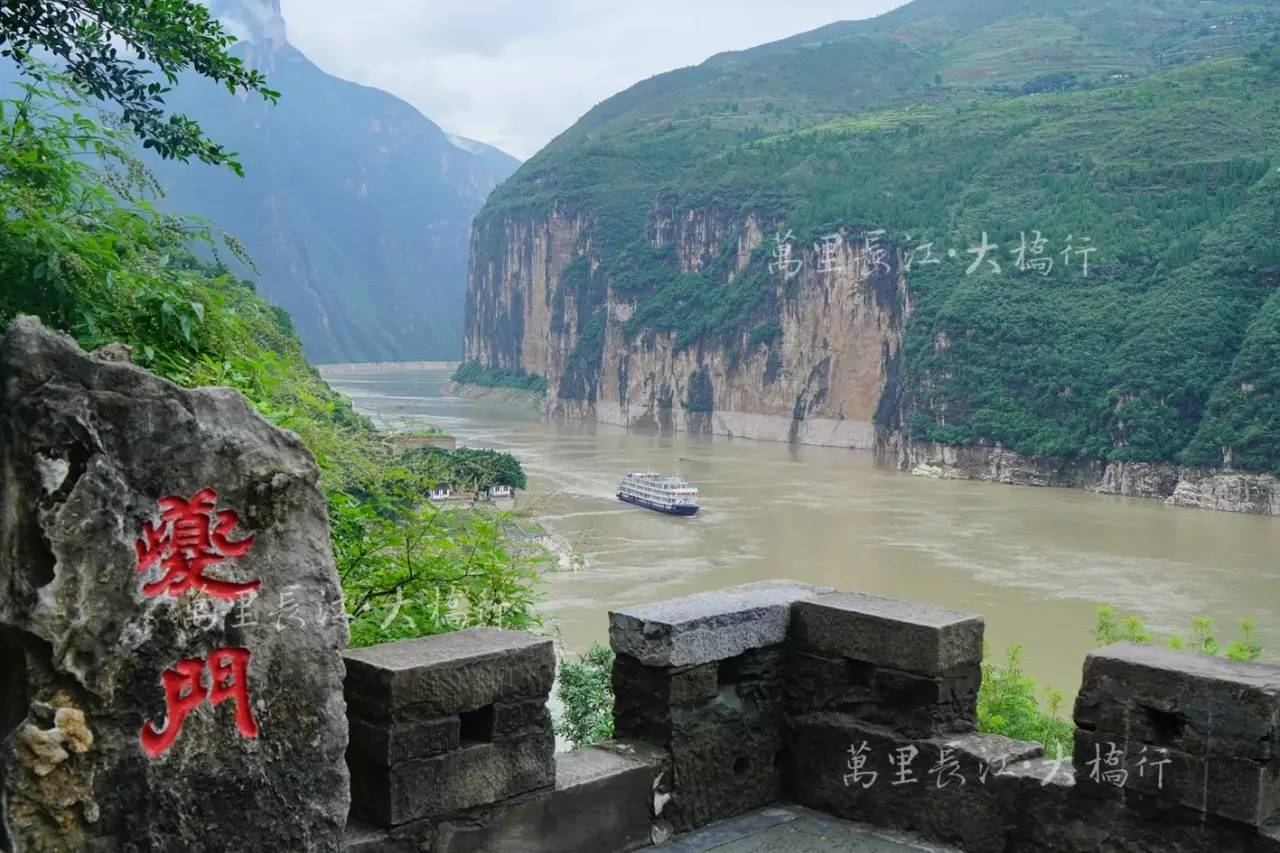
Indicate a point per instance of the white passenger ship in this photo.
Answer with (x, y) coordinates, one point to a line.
(659, 491)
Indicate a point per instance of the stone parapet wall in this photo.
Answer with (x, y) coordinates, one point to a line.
(878, 723)
(859, 706)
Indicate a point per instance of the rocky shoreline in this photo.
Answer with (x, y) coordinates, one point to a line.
(1176, 485)
(515, 396)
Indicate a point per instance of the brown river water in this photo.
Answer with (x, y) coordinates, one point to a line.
(1033, 562)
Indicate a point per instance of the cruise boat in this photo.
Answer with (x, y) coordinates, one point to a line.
(660, 492)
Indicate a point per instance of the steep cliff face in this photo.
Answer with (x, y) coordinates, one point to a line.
(826, 375)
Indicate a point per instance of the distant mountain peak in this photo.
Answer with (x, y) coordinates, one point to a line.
(258, 22)
(468, 145)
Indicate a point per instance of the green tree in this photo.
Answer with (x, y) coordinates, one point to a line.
(120, 50)
(426, 571)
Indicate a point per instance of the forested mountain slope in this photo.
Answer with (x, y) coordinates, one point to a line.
(787, 242)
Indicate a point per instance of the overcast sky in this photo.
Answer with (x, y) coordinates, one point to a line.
(514, 73)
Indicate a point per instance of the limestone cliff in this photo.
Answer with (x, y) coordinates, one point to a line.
(826, 376)
(830, 375)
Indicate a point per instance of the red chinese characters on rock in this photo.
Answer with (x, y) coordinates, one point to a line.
(191, 536)
(184, 691)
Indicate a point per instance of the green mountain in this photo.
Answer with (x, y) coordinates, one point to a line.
(1142, 136)
(354, 206)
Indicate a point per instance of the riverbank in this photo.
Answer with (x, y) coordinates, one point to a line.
(528, 530)
(348, 368)
(497, 394)
(1176, 485)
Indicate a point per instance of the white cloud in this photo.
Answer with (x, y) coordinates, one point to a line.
(514, 73)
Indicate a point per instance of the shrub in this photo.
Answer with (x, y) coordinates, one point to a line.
(1111, 628)
(586, 690)
(1008, 705)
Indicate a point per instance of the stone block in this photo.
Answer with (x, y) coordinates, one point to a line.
(953, 789)
(725, 760)
(442, 785)
(707, 626)
(1235, 788)
(601, 802)
(645, 695)
(720, 724)
(916, 705)
(767, 665)
(1197, 704)
(816, 682)
(887, 632)
(383, 745)
(519, 718)
(448, 673)
(361, 838)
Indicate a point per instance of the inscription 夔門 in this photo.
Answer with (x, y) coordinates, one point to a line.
(191, 536)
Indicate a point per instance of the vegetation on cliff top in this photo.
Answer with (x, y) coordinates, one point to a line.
(472, 373)
(1150, 129)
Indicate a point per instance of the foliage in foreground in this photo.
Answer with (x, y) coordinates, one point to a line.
(420, 570)
(119, 50)
(586, 691)
(1112, 627)
(84, 248)
(1008, 703)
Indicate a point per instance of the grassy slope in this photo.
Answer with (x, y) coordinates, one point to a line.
(910, 122)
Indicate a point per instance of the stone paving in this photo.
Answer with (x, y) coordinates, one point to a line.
(793, 829)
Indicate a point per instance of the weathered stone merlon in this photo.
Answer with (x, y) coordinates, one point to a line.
(1208, 704)
(887, 632)
(1214, 722)
(707, 626)
(450, 673)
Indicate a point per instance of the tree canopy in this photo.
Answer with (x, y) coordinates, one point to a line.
(129, 53)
